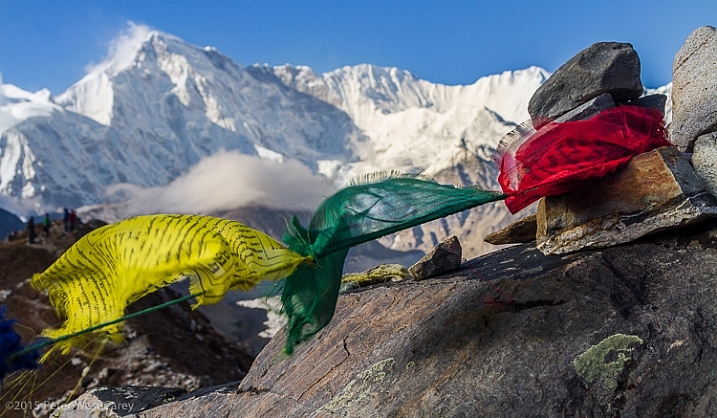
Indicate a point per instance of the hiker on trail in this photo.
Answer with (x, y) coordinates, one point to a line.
(31, 230)
(73, 219)
(46, 224)
(65, 219)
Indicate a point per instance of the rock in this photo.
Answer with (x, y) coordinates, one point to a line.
(445, 257)
(116, 402)
(520, 231)
(657, 190)
(694, 88)
(604, 67)
(588, 109)
(524, 229)
(625, 331)
(654, 101)
(704, 161)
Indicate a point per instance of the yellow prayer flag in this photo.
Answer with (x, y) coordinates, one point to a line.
(109, 268)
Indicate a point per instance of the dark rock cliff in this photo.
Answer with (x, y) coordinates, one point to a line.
(9, 223)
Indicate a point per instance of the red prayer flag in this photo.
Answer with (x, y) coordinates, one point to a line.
(561, 157)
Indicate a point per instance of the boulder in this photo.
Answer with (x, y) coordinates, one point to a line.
(694, 88)
(657, 190)
(604, 67)
(704, 161)
(445, 257)
(625, 331)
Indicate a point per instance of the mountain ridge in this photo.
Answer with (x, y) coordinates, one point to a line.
(156, 95)
(162, 125)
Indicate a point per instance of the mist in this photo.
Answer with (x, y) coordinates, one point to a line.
(122, 49)
(228, 180)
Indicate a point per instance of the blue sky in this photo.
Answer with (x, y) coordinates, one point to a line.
(51, 43)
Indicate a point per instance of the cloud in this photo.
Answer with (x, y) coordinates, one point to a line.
(122, 49)
(228, 180)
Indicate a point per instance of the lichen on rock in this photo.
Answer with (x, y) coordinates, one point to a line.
(360, 387)
(379, 274)
(592, 364)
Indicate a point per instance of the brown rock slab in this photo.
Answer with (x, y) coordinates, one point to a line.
(447, 256)
(520, 231)
(657, 190)
(694, 88)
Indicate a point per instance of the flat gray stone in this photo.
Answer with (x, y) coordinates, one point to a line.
(657, 190)
(604, 67)
(694, 88)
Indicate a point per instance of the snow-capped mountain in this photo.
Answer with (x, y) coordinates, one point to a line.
(413, 124)
(145, 121)
(167, 126)
(146, 115)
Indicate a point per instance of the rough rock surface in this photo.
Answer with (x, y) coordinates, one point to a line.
(627, 331)
(118, 402)
(604, 67)
(694, 88)
(704, 161)
(445, 257)
(656, 190)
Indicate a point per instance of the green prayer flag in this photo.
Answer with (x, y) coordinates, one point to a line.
(364, 211)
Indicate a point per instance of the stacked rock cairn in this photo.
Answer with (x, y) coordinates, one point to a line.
(666, 188)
